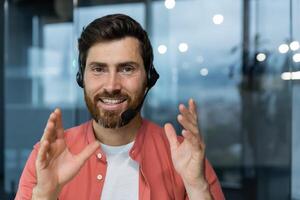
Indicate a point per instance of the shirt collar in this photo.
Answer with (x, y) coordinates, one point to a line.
(136, 152)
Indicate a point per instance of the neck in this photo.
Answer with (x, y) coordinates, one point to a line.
(118, 136)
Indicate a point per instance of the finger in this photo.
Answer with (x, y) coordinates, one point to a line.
(42, 154)
(187, 125)
(171, 136)
(87, 152)
(49, 132)
(193, 108)
(192, 139)
(187, 114)
(59, 123)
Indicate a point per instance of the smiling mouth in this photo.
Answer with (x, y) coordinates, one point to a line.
(112, 101)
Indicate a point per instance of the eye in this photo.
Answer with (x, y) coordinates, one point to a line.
(127, 69)
(98, 69)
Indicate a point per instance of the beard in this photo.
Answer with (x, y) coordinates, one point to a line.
(108, 118)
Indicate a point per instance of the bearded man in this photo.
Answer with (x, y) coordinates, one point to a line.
(118, 155)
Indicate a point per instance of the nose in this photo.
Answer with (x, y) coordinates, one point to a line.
(112, 82)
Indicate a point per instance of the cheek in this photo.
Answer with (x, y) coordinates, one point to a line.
(91, 86)
(136, 86)
(87, 90)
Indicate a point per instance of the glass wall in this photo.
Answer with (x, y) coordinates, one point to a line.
(39, 76)
(234, 58)
(295, 30)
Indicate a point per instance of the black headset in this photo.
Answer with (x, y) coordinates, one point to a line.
(152, 76)
(79, 75)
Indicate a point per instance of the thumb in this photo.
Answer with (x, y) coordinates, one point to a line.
(87, 152)
(171, 135)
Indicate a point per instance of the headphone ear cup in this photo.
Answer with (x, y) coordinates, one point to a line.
(153, 76)
(79, 78)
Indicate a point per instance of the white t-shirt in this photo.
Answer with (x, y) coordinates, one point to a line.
(122, 175)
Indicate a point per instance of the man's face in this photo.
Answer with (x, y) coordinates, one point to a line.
(114, 80)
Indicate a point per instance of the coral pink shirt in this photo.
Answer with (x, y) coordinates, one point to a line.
(158, 179)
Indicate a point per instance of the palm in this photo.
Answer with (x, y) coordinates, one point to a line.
(186, 160)
(55, 164)
(61, 165)
(187, 156)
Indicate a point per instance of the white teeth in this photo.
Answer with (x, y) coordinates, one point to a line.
(112, 101)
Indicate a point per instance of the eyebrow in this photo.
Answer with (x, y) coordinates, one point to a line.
(128, 63)
(118, 64)
(97, 63)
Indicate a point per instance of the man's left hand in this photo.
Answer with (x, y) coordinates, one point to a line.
(189, 156)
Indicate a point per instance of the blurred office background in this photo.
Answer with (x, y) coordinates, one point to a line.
(239, 59)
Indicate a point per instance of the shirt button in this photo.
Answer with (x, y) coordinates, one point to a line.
(99, 155)
(99, 177)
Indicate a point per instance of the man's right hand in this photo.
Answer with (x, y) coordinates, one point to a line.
(55, 164)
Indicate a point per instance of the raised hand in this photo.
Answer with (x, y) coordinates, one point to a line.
(55, 164)
(189, 156)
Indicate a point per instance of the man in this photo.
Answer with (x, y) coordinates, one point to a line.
(118, 154)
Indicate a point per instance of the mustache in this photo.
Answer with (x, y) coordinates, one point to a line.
(112, 95)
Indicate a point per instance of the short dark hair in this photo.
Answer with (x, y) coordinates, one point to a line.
(111, 27)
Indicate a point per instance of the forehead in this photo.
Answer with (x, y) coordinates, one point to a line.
(120, 50)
